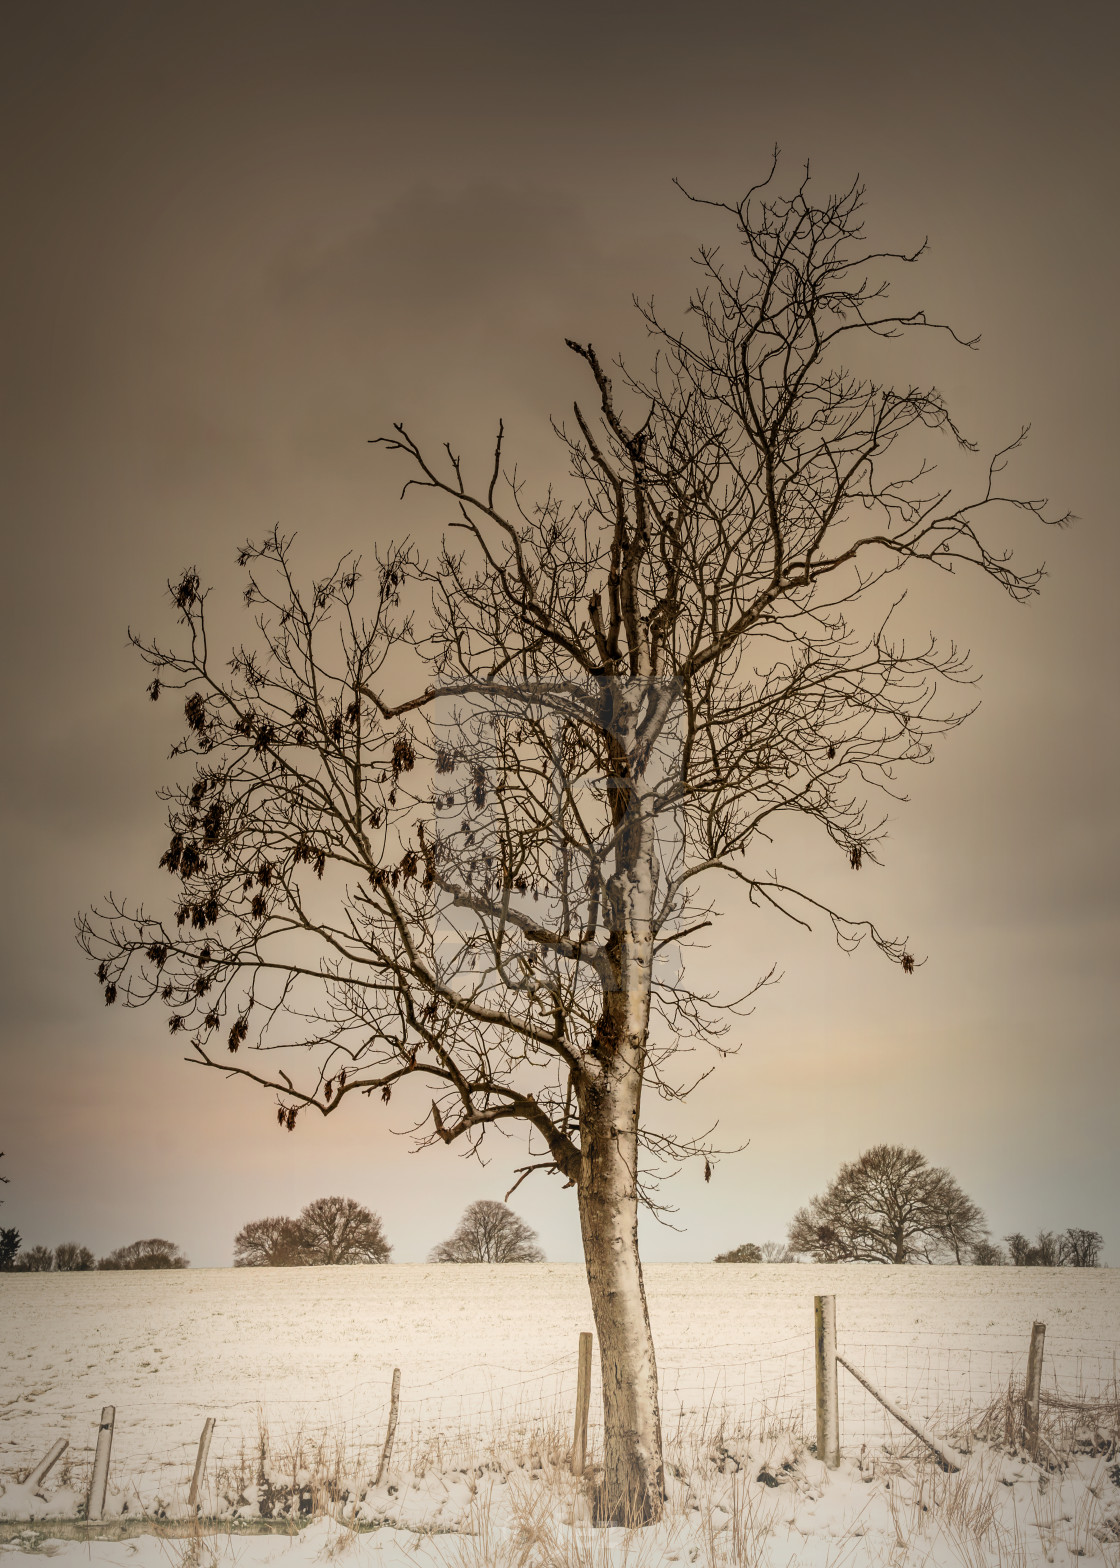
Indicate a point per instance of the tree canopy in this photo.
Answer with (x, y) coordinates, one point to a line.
(326, 1231)
(489, 1232)
(888, 1206)
(154, 1253)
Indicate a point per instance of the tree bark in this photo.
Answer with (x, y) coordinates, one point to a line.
(632, 1488)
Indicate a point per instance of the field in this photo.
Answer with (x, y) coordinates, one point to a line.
(296, 1366)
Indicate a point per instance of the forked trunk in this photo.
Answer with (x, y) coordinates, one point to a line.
(632, 1488)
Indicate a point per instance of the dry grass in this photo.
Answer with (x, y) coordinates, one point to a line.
(1069, 1424)
(517, 1505)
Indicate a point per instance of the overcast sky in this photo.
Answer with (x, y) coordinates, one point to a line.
(240, 239)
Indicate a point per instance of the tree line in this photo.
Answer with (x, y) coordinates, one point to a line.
(891, 1206)
(888, 1206)
(70, 1257)
(340, 1230)
(331, 1230)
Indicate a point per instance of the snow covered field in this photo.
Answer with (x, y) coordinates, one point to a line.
(296, 1366)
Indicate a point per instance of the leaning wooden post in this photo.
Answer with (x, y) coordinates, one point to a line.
(828, 1404)
(1033, 1389)
(95, 1506)
(35, 1476)
(391, 1429)
(200, 1462)
(583, 1405)
(948, 1457)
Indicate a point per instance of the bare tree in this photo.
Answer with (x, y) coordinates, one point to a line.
(1018, 1248)
(889, 1206)
(489, 1232)
(269, 1243)
(340, 1230)
(36, 1260)
(1076, 1249)
(1046, 1251)
(458, 834)
(154, 1253)
(988, 1254)
(1081, 1249)
(775, 1252)
(746, 1252)
(70, 1258)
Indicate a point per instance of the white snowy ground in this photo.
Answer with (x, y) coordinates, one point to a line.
(298, 1362)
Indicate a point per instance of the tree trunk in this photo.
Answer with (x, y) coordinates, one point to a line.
(632, 1488)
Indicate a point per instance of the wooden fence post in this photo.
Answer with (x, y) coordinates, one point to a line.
(95, 1506)
(1033, 1388)
(828, 1405)
(37, 1473)
(200, 1462)
(391, 1429)
(583, 1405)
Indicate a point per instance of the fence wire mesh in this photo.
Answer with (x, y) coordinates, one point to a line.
(490, 1414)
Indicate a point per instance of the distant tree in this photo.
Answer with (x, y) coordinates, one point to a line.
(272, 1243)
(489, 1232)
(1077, 1248)
(1046, 1251)
(988, 1254)
(776, 1252)
(1081, 1249)
(340, 1230)
(746, 1252)
(889, 1206)
(155, 1253)
(70, 1258)
(1018, 1249)
(36, 1260)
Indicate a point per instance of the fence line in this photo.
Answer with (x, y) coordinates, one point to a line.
(525, 1410)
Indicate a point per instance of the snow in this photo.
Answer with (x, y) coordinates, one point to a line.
(296, 1366)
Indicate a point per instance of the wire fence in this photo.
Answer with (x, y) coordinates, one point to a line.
(486, 1414)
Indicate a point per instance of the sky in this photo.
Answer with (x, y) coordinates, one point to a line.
(239, 240)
